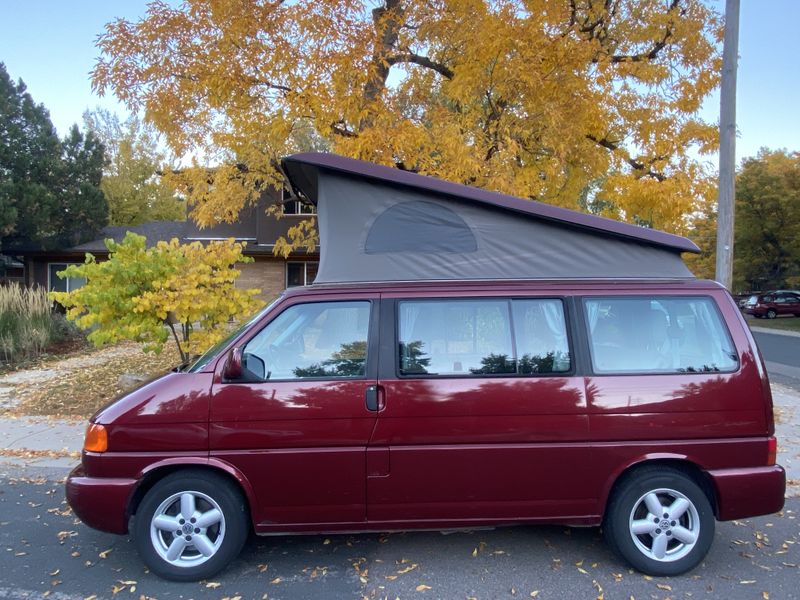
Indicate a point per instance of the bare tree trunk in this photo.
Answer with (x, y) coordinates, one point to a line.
(184, 357)
(388, 19)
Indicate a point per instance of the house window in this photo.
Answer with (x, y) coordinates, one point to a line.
(295, 207)
(301, 273)
(57, 284)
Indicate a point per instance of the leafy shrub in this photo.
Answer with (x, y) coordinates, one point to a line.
(142, 293)
(65, 330)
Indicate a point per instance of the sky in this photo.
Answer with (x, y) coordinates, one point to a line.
(50, 44)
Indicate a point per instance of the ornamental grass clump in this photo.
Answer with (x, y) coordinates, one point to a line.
(26, 324)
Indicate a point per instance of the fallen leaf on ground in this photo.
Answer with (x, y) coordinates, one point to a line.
(407, 569)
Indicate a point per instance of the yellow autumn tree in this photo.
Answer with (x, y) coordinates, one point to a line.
(142, 293)
(542, 99)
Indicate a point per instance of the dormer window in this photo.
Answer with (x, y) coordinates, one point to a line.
(297, 207)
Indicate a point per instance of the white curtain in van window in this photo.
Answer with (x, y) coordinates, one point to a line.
(720, 348)
(554, 317)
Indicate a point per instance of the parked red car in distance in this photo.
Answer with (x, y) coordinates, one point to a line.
(773, 304)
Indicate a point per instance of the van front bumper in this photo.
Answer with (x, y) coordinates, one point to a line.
(100, 502)
(743, 493)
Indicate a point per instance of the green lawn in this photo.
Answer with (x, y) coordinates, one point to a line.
(785, 323)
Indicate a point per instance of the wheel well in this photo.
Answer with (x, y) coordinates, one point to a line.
(156, 475)
(690, 469)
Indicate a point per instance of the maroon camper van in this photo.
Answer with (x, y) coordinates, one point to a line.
(464, 358)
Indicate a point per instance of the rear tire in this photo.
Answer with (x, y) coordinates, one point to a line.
(671, 542)
(190, 525)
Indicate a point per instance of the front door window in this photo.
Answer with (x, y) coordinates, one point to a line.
(320, 340)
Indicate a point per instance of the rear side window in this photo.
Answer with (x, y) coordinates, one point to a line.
(476, 337)
(658, 335)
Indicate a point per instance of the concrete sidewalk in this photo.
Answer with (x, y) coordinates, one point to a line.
(42, 442)
(45, 442)
(787, 429)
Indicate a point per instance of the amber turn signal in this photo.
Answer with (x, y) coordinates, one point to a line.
(772, 451)
(96, 439)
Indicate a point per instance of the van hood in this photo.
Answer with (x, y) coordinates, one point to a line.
(176, 397)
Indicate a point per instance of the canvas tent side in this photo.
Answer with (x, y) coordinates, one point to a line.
(381, 224)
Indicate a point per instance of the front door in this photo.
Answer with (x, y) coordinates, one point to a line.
(296, 424)
(484, 417)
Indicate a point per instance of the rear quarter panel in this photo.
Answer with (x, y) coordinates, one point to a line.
(714, 420)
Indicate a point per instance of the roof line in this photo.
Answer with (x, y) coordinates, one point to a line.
(368, 170)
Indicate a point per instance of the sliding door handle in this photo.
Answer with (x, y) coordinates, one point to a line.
(375, 398)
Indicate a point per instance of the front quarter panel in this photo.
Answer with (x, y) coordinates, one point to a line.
(169, 414)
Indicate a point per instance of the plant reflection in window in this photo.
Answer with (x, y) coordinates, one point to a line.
(349, 361)
(495, 364)
(413, 360)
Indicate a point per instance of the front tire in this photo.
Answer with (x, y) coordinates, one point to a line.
(771, 314)
(659, 521)
(190, 525)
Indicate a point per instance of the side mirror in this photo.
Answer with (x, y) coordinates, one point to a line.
(233, 364)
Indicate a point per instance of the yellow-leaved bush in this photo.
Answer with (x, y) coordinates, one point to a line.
(579, 103)
(142, 293)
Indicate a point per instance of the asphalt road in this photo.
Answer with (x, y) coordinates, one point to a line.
(782, 355)
(45, 552)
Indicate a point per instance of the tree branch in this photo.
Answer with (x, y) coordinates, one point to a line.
(651, 54)
(423, 61)
(644, 169)
(341, 129)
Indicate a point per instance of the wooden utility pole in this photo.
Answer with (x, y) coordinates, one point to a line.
(727, 145)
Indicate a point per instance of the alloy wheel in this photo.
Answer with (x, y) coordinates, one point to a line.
(664, 525)
(187, 529)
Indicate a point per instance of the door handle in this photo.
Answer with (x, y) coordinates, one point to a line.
(375, 399)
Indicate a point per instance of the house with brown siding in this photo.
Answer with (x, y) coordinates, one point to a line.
(269, 273)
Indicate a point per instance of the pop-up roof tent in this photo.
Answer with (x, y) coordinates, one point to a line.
(382, 224)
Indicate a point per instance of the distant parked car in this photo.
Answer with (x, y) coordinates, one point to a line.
(741, 299)
(772, 304)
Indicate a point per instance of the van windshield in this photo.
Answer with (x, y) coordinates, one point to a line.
(200, 362)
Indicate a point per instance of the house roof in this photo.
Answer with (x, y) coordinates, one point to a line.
(154, 231)
(382, 224)
(254, 226)
(301, 169)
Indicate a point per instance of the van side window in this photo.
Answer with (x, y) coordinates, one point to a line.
(658, 335)
(474, 337)
(322, 339)
(540, 332)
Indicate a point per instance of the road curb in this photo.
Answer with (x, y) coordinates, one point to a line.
(774, 331)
